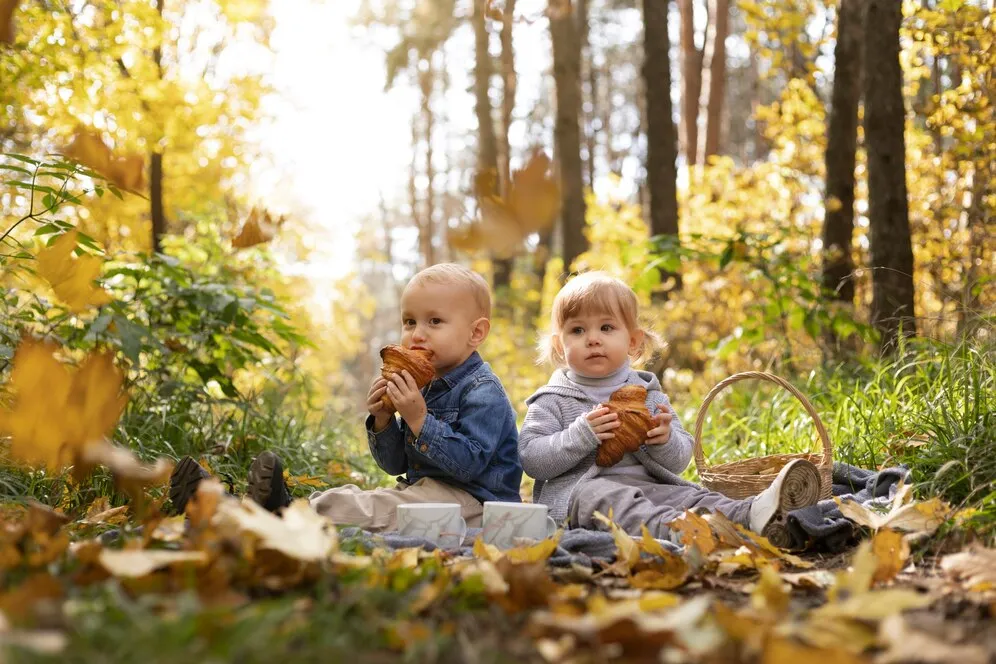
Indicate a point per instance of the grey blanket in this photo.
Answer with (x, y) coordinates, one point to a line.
(822, 526)
(818, 527)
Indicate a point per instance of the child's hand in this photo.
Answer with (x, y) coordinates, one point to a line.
(375, 406)
(661, 433)
(408, 400)
(603, 421)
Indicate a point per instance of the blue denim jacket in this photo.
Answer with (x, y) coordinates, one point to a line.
(469, 439)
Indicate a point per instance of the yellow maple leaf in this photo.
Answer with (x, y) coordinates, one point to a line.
(891, 551)
(72, 279)
(56, 412)
(694, 531)
(89, 149)
(7, 21)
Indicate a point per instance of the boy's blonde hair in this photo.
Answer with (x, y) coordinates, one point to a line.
(453, 274)
(595, 292)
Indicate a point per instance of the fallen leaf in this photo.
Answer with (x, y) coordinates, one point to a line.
(430, 593)
(537, 552)
(23, 601)
(627, 550)
(770, 593)
(891, 552)
(916, 519)
(857, 579)
(780, 650)
(976, 567)
(874, 604)
(486, 551)
(203, 505)
(300, 533)
(7, 8)
(761, 543)
(136, 563)
(171, 529)
(908, 645)
(694, 532)
(818, 579)
(43, 519)
(489, 575)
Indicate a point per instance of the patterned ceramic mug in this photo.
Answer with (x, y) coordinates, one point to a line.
(505, 523)
(440, 523)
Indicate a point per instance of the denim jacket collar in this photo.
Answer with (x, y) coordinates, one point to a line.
(453, 377)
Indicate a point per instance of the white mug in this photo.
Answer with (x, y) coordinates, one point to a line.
(440, 523)
(504, 523)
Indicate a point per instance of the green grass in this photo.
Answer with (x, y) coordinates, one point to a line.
(931, 407)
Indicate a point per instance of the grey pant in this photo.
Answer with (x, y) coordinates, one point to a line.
(636, 502)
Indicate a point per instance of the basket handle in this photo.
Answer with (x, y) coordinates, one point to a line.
(700, 460)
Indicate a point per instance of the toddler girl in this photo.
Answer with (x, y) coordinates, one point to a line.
(594, 335)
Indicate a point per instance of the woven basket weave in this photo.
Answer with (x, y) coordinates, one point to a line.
(749, 477)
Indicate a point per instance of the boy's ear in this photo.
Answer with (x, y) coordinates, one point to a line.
(479, 331)
(636, 340)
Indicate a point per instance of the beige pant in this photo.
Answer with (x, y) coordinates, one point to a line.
(374, 510)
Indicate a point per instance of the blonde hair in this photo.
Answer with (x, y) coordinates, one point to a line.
(453, 274)
(595, 293)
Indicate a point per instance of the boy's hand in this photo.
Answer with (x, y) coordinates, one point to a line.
(408, 400)
(661, 433)
(382, 415)
(603, 421)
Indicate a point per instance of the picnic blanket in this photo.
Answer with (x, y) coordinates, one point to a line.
(817, 527)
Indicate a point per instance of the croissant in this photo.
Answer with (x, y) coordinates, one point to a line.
(630, 403)
(397, 358)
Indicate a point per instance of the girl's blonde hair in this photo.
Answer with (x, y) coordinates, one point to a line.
(595, 293)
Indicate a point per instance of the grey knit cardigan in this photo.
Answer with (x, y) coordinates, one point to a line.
(557, 446)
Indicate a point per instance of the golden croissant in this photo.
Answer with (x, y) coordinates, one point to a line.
(630, 403)
(398, 358)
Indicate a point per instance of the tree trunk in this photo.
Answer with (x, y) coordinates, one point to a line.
(413, 198)
(567, 76)
(487, 148)
(691, 82)
(156, 209)
(720, 28)
(503, 266)
(842, 137)
(588, 116)
(662, 172)
(888, 212)
(426, 83)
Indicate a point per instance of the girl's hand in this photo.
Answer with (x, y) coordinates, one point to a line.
(603, 421)
(408, 400)
(661, 433)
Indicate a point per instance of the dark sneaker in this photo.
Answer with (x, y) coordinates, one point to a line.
(184, 481)
(797, 485)
(266, 482)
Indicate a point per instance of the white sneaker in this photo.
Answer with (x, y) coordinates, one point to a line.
(797, 485)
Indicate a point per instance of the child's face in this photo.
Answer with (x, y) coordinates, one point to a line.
(444, 319)
(596, 344)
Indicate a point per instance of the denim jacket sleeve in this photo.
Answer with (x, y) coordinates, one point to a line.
(387, 446)
(548, 447)
(465, 448)
(677, 451)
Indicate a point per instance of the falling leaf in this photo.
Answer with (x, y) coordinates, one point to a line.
(135, 563)
(72, 279)
(834, 204)
(89, 149)
(88, 402)
(977, 567)
(694, 532)
(258, 228)
(535, 194)
(907, 645)
(7, 8)
(891, 552)
(299, 532)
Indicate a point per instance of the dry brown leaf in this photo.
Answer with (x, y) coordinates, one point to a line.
(908, 645)
(489, 575)
(258, 228)
(771, 593)
(72, 277)
(529, 585)
(33, 594)
(43, 519)
(916, 519)
(300, 533)
(780, 650)
(7, 8)
(852, 635)
(136, 563)
(761, 543)
(817, 579)
(891, 551)
(130, 474)
(874, 605)
(89, 149)
(627, 550)
(857, 579)
(203, 505)
(695, 532)
(975, 567)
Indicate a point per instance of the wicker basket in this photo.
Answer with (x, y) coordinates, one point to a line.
(748, 477)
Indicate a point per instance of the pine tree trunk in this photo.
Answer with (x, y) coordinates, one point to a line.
(662, 172)
(157, 210)
(567, 76)
(503, 266)
(720, 28)
(888, 212)
(842, 137)
(426, 84)
(691, 82)
(588, 116)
